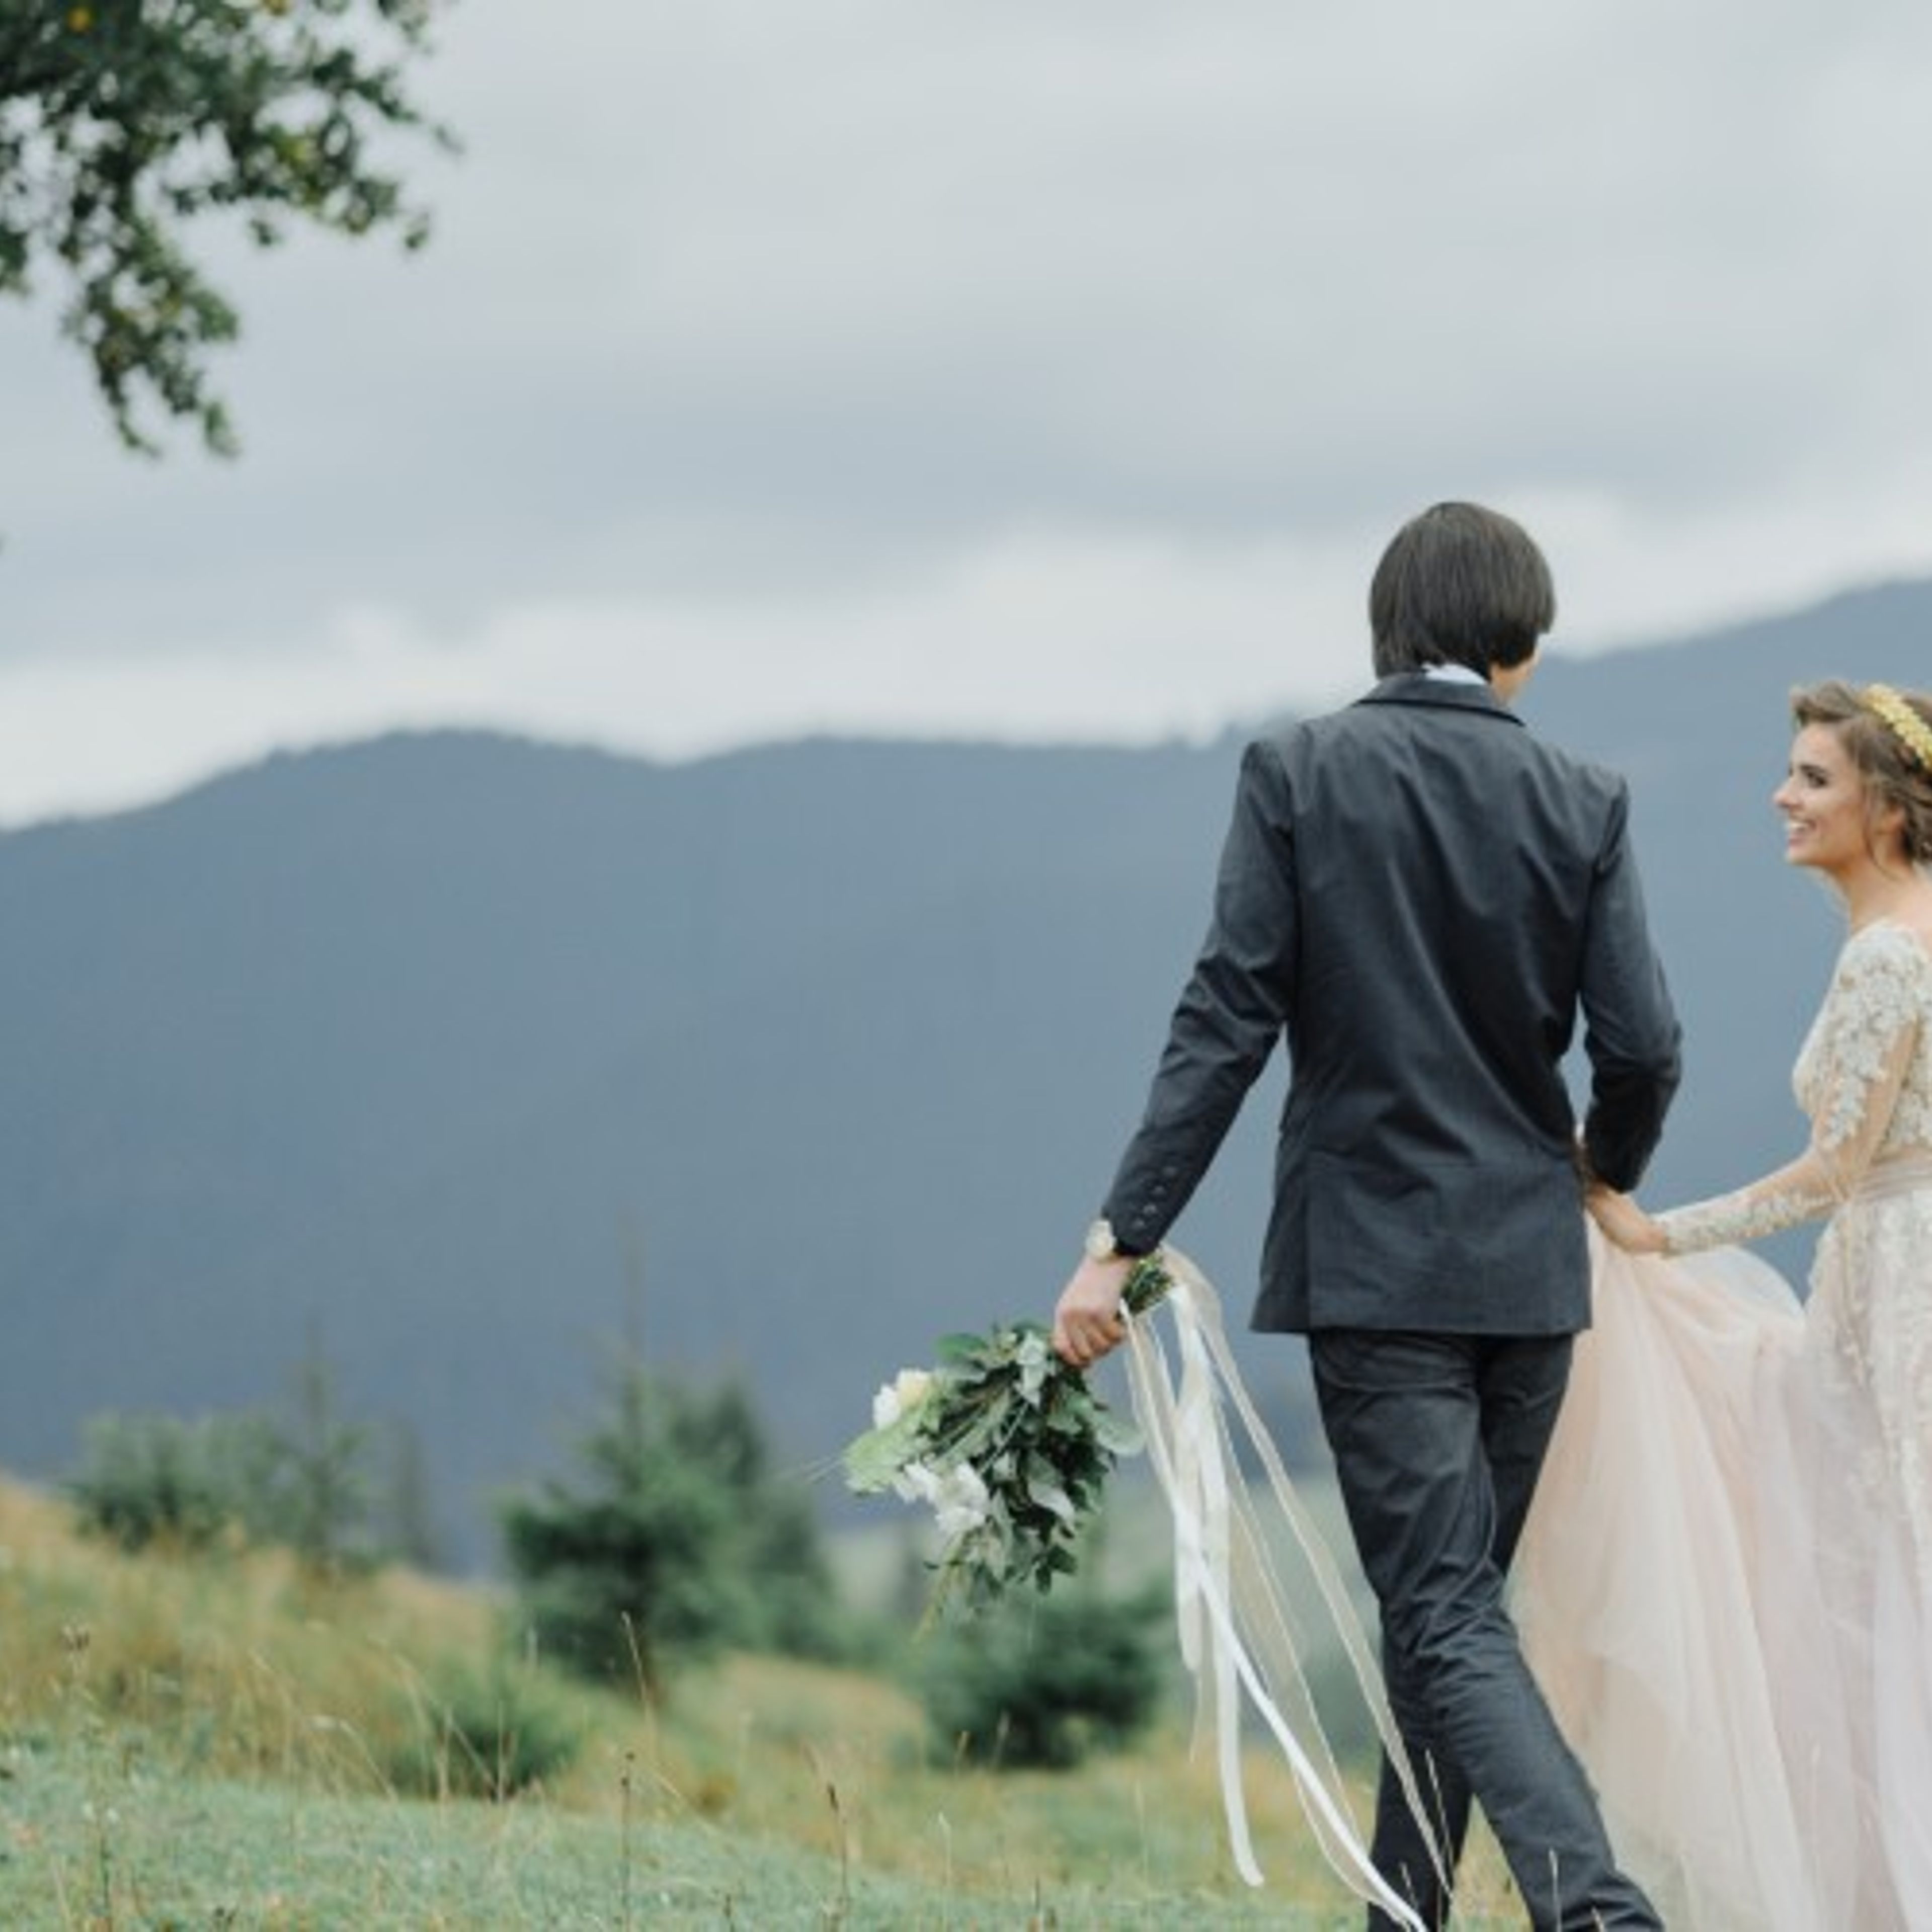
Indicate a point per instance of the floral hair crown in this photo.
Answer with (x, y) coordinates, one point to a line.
(1901, 721)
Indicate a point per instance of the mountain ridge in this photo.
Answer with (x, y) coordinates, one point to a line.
(473, 1053)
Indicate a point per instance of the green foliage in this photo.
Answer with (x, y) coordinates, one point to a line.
(677, 1537)
(1010, 1446)
(488, 1729)
(245, 1477)
(123, 121)
(319, 1505)
(156, 1479)
(1042, 1683)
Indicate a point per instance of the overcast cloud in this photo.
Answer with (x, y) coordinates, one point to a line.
(996, 367)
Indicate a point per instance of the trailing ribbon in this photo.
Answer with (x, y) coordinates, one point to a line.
(1235, 1621)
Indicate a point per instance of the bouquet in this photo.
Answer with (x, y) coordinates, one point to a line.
(1007, 1445)
(1011, 1449)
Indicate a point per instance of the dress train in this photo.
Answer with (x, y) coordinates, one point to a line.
(1728, 1620)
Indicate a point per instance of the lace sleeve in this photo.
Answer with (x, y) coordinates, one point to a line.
(1851, 1074)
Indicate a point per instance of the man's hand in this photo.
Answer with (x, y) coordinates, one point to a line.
(1624, 1222)
(1087, 1324)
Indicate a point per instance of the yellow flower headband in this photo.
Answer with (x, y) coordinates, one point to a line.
(1902, 721)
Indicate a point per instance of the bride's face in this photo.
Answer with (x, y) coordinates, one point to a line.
(1827, 821)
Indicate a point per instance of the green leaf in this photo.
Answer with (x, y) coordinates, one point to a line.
(1042, 1490)
(118, 136)
(962, 1349)
(874, 1460)
(1148, 1284)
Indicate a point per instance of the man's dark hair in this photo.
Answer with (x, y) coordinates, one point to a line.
(1459, 584)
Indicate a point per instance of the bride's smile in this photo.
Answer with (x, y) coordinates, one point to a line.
(1828, 823)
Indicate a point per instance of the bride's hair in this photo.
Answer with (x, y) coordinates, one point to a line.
(1891, 768)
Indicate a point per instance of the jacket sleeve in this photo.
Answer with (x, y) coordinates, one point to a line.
(1229, 1014)
(1631, 1036)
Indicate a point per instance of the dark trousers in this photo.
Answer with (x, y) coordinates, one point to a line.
(1438, 1441)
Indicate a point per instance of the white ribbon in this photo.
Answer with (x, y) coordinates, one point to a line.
(1236, 1631)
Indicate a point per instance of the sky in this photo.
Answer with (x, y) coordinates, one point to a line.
(994, 368)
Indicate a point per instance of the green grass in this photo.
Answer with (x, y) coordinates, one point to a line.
(138, 1846)
(223, 1743)
(135, 1846)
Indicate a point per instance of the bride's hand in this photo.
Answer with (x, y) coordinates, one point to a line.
(1624, 1222)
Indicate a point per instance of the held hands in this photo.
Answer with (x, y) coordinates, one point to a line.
(1624, 1222)
(1087, 1323)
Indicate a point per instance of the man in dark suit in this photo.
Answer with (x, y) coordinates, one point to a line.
(1421, 897)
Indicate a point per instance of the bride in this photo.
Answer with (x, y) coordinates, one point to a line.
(1727, 1581)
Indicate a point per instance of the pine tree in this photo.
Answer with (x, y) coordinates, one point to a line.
(675, 1538)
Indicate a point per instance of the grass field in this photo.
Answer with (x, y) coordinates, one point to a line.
(223, 1743)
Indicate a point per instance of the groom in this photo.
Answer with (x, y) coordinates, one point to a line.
(1420, 898)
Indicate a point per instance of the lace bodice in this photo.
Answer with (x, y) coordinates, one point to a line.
(1864, 1078)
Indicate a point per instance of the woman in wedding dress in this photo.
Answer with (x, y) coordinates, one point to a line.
(1726, 1582)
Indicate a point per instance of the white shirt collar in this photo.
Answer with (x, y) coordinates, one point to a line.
(1453, 673)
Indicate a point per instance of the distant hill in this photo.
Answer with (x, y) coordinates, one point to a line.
(474, 1053)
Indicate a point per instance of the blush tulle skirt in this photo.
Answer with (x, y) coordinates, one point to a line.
(1723, 1585)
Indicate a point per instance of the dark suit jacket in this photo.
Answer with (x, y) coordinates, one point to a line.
(1421, 899)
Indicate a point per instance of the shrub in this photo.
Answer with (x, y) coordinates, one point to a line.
(676, 1537)
(158, 1480)
(1043, 1682)
(155, 1479)
(482, 1729)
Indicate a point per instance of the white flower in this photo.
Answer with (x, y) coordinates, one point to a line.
(957, 1496)
(916, 1483)
(905, 1392)
(1034, 1362)
(967, 1503)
